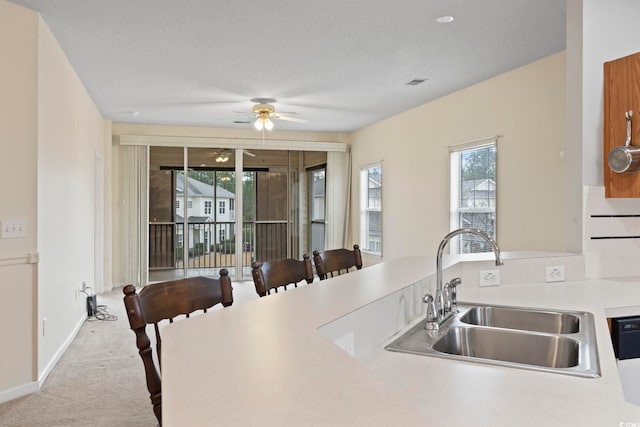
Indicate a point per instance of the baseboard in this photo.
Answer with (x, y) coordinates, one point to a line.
(56, 358)
(19, 391)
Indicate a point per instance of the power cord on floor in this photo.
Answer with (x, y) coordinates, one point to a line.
(103, 314)
(97, 312)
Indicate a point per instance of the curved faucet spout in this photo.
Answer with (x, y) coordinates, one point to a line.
(451, 235)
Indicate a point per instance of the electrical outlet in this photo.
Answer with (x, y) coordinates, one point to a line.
(554, 273)
(489, 277)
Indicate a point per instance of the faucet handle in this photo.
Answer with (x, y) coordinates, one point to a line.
(453, 293)
(446, 297)
(431, 308)
(455, 282)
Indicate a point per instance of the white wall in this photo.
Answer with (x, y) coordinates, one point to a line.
(18, 143)
(70, 136)
(610, 31)
(598, 32)
(527, 107)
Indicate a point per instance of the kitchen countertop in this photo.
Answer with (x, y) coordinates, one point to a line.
(265, 362)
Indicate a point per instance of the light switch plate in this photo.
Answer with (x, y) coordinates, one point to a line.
(13, 228)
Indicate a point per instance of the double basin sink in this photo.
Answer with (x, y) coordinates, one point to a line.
(544, 340)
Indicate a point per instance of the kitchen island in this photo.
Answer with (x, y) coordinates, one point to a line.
(314, 356)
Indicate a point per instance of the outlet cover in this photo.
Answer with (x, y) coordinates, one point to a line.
(554, 273)
(489, 277)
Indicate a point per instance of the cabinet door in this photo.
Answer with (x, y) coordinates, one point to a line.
(621, 94)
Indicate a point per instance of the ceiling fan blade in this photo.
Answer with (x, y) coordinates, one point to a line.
(289, 119)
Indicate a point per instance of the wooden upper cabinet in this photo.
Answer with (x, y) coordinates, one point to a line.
(621, 94)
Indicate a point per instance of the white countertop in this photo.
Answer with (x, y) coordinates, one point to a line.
(264, 362)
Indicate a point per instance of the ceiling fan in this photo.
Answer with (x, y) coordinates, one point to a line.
(264, 111)
(223, 155)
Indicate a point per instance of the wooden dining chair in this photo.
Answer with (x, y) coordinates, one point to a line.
(336, 261)
(165, 301)
(280, 273)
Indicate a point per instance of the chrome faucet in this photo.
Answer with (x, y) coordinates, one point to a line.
(446, 297)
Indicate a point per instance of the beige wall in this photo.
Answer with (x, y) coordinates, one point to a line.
(527, 107)
(52, 134)
(18, 143)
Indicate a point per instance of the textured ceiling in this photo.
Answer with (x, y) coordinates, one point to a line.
(340, 64)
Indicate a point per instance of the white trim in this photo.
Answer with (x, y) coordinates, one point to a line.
(16, 392)
(229, 142)
(56, 357)
(362, 202)
(454, 190)
(30, 258)
(476, 143)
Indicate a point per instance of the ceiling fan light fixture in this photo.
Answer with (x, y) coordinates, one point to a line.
(263, 122)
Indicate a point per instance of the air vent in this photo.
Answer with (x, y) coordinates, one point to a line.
(241, 122)
(416, 82)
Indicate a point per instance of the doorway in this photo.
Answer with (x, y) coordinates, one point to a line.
(198, 226)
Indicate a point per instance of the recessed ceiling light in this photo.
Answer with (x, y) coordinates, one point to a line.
(446, 19)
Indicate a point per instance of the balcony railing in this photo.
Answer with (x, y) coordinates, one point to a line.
(213, 245)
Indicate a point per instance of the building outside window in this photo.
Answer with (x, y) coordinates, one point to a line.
(473, 195)
(371, 208)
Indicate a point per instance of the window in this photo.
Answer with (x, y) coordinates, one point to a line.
(189, 204)
(207, 207)
(371, 208)
(473, 195)
(221, 207)
(317, 202)
(177, 203)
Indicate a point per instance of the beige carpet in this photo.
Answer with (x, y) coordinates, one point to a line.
(99, 381)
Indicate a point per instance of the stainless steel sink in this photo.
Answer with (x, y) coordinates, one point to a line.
(523, 319)
(518, 337)
(550, 351)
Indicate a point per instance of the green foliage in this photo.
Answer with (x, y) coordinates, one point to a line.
(479, 163)
(197, 250)
(227, 246)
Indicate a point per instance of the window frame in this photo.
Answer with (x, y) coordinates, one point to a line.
(364, 171)
(455, 211)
